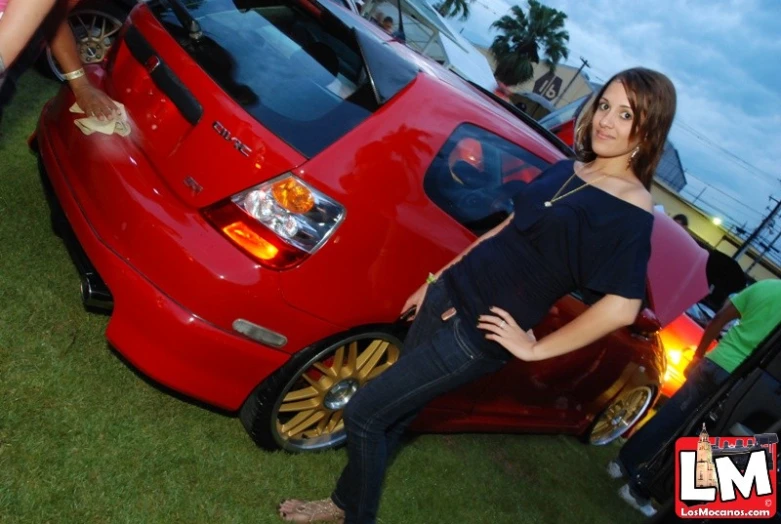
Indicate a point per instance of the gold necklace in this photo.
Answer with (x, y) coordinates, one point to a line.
(549, 203)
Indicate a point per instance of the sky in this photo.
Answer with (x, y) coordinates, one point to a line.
(724, 58)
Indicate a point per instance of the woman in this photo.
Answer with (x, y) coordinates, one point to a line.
(580, 225)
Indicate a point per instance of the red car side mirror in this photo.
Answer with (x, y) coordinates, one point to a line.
(646, 323)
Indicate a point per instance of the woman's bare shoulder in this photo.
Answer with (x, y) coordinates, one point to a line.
(639, 196)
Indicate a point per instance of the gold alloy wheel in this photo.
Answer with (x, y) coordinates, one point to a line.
(620, 415)
(309, 414)
(95, 32)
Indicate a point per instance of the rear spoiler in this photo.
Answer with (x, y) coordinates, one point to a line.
(529, 121)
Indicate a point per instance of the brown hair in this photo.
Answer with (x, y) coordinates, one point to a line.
(652, 98)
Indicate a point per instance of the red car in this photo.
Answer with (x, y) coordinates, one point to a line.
(291, 176)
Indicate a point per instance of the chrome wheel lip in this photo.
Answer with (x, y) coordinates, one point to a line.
(617, 424)
(87, 41)
(333, 439)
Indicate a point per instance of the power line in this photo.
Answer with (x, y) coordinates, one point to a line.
(738, 160)
(714, 188)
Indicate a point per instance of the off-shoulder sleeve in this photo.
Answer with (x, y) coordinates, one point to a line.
(620, 266)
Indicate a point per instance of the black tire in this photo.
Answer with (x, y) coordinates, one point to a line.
(263, 414)
(86, 11)
(591, 435)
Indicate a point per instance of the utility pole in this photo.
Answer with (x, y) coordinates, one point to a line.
(699, 195)
(740, 252)
(561, 95)
(764, 252)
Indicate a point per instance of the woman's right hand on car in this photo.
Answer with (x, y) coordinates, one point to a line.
(414, 301)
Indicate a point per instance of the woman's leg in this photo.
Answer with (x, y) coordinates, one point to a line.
(436, 366)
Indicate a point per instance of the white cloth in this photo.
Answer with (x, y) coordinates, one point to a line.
(89, 125)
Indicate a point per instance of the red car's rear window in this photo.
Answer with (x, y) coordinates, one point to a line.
(304, 80)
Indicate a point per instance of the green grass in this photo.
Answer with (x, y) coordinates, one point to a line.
(85, 440)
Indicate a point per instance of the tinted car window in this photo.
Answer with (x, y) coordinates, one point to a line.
(300, 76)
(475, 175)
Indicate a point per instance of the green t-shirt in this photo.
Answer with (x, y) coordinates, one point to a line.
(760, 311)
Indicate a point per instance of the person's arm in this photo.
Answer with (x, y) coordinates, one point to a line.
(608, 314)
(18, 25)
(726, 314)
(91, 100)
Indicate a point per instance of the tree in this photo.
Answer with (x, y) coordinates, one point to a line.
(451, 8)
(525, 38)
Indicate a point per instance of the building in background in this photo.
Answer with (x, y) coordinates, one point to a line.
(547, 90)
(670, 170)
(711, 234)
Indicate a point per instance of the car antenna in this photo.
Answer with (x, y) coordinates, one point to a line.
(186, 19)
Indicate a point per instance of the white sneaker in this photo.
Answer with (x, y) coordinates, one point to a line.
(640, 504)
(614, 470)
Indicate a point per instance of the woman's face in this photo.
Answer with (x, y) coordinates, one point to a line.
(612, 123)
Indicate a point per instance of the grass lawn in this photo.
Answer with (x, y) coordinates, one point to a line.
(83, 439)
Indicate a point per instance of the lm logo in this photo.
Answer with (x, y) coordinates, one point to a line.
(726, 477)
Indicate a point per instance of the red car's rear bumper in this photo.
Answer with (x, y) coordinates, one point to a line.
(189, 349)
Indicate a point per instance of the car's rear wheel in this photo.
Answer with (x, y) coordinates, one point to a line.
(95, 25)
(620, 415)
(299, 407)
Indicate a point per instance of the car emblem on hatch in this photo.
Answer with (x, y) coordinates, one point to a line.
(193, 185)
(227, 135)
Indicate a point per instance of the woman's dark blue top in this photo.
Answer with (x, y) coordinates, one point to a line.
(589, 241)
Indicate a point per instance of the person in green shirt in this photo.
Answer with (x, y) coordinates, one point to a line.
(757, 310)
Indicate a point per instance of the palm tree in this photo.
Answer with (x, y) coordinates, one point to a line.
(450, 8)
(524, 38)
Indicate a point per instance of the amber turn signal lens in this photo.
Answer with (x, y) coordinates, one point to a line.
(293, 196)
(251, 241)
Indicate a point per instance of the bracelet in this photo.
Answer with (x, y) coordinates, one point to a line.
(431, 278)
(73, 75)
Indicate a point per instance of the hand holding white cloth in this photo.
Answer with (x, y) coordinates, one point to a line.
(90, 125)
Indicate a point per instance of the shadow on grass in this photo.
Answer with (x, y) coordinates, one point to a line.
(162, 388)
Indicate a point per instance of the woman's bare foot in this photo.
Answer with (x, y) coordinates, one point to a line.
(325, 510)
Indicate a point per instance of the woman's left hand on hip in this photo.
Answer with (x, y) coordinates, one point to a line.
(502, 328)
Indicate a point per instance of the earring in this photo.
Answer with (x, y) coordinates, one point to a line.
(632, 157)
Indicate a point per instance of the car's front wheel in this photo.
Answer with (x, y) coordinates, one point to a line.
(299, 407)
(620, 415)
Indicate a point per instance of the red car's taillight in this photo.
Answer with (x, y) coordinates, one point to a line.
(278, 223)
